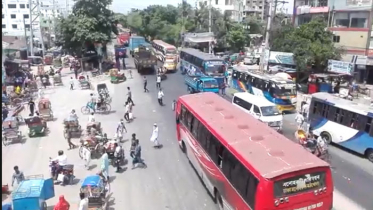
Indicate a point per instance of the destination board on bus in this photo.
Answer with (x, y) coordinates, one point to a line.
(213, 63)
(299, 184)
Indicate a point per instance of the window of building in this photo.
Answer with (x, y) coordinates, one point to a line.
(14, 26)
(341, 20)
(26, 16)
(4, 26)
(371, 43)
(22, 6)
(27, 6)
(2, 16)
(226, 2)
(359, 19)
(336, 39)
(13, 16)
(216, 2)
(27, 25)
(12, 6)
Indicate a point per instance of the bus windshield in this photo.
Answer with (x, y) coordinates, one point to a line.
(210, 84)
(269, 110)
(288, 90)
(170, 51)
(215, 69)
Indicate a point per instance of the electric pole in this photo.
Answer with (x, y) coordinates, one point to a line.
(183, 22)
(40, 29)
(35, 10)
(25, 29)
(265, 54)
(210, 25)
(31, 27)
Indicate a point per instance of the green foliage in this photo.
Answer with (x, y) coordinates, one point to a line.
(311, 44)
(90, 22)
(167, 23)
(237, 37)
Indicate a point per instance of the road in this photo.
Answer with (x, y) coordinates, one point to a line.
(169, 182)
(352, 175)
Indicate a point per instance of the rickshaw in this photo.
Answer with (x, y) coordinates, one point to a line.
(35, 60)
(102, 90)
(94, 187)
(10, 131)
(48, 59)
(57, 79)
(45, 109)
(97, 126)
(14, 112)
(57, 62)
(84, 83)
(116, 77)
(36, 125)
(71, 125)
(33, 192)
(95, 144)
(32, 86)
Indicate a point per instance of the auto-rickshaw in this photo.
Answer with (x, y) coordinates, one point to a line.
(94, 187)
(35, 60)
(48, 59)
(33, 192)
(45, 109)
(11, 131)
(36, 125)
(116, 77)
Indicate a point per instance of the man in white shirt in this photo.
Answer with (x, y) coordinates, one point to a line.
(159, 80)
(61, 159)
(71, 83)
(83, 204)
(91, 118)
(160, 97)
(118, 153)
(300, 120)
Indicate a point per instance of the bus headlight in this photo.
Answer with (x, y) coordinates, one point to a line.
(277, 202)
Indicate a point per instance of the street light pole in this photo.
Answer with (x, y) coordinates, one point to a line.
(210, 25)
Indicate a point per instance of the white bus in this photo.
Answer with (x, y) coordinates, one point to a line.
(163, 50)
(342, 122)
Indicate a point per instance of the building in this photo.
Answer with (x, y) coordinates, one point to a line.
(350, 21)
(16, 15)
(222, 5)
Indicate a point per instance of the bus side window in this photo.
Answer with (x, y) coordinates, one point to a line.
(368, 125)
(248, 78)
(182, 115)
(208, 141)
(331, 113)
(251, 190)
(189, 117)
(195, 126)
(227, 164)
(202, 131)
(347, 118)
(213, 150)
(371, 128)
(361, 121)
(325, 110)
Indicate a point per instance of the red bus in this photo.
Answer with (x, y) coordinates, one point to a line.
(245, 164)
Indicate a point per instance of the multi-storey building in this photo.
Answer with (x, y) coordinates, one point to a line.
(349, 20)
(222, 5)
(16, 15)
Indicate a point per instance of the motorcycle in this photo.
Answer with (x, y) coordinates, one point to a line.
(67, 172)
(318, 148)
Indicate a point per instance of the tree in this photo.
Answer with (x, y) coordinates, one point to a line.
(237, 37)
(90, 22)
(311, 44)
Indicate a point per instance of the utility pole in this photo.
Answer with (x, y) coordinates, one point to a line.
(210, 25)
(25, 29)
(40, 29)
(183, 23)
(265, 54)
(30, 2)
(369, 31)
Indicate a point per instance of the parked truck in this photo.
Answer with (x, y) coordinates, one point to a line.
(135, 42)
(197, 84)
(144, 59)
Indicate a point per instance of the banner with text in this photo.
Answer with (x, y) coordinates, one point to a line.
(341, 67)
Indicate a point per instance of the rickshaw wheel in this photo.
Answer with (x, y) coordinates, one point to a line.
(65, 134)
(107, 108)
(5, 141)
(44, 206)
(84, 110)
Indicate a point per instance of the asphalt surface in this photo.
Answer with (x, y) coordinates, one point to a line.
(169, 182)
(352, 174)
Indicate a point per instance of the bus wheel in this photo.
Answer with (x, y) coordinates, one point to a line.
(219, 200)
(183, 147)
(369, 154)
(327, 137)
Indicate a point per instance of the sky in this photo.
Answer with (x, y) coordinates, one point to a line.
(123, 6)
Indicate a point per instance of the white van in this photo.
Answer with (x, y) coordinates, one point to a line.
(260, 108)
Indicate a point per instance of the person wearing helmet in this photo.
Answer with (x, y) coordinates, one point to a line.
(61, 159)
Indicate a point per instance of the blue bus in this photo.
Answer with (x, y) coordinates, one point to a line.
(196, 63)
(277, 90)
(342, 122)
